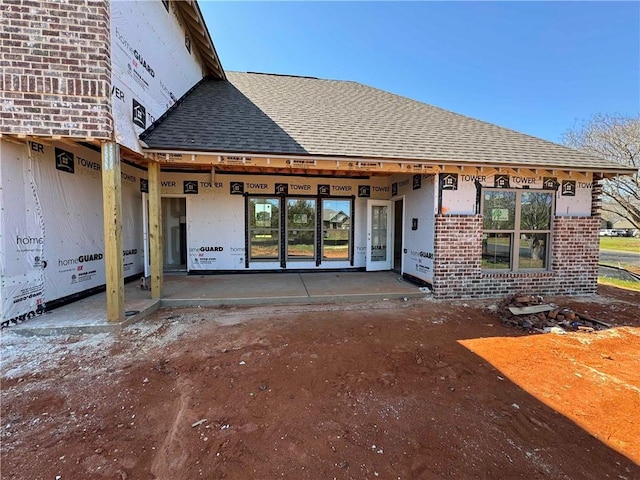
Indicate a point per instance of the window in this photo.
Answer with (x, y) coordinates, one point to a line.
(301, 229)
(336, 229)
(264, 228)
(288, 229)
(516, 229)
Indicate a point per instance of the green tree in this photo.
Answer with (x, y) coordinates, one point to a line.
(615, 138)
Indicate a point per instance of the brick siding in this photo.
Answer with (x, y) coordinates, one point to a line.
(458, 261)
(55, 69)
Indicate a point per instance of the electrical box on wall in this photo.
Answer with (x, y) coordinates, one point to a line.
(414, 224)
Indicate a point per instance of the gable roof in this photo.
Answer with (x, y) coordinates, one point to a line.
(199, 34)
(277, 114)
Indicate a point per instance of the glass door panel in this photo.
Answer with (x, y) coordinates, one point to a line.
(378, 235)
(264, 228)
(336, 229)
(174, 233)
(301, 229)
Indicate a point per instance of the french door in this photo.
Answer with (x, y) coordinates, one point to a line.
(379, 235)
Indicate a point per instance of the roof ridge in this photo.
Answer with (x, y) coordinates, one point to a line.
(299, 76)
(282, 75)
(291, 76)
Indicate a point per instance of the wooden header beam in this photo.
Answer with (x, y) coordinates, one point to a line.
(299, 163)
(293, 163)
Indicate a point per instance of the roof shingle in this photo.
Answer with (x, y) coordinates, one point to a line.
(277, 114)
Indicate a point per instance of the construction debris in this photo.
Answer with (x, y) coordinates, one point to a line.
(199, 422)
(532, 314)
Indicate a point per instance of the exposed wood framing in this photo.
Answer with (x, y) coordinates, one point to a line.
(296, 165)
(349, 167)
(155, 229)
(112, 208)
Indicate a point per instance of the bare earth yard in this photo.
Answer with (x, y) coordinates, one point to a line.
(391, 390)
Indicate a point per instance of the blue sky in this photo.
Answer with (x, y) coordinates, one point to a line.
(535, 67)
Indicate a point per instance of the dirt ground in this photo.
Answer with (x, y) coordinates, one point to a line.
(392, 390)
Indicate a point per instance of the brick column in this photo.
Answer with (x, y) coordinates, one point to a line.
(457, 260)
(576, 251)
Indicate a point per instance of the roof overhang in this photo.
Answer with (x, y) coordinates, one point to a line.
(88, 142)
(199, 34)
(324, 165)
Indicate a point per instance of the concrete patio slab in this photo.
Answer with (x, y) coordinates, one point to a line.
(358, 284)
(249, 288)
(88, 315)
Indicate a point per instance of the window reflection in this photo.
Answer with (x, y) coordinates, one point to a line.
(499, 210)
(264, 228)
(336, 229)
(496, 251)
(301, 228)
(536, 211)
(533, 250)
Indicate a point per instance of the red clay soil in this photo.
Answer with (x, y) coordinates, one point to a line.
(390, 390)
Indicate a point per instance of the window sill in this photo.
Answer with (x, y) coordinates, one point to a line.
(520, 273)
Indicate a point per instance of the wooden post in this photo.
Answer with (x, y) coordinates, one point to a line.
(112, 209)
(155, 229)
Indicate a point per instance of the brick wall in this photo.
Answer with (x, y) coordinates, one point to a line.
(458, 268)
(55, 76)
(457, 258)
(576, 246)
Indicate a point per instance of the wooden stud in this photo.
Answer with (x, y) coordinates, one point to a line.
(112, 208)
(155, 229)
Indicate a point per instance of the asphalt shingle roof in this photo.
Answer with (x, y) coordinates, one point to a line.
(278, 114)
